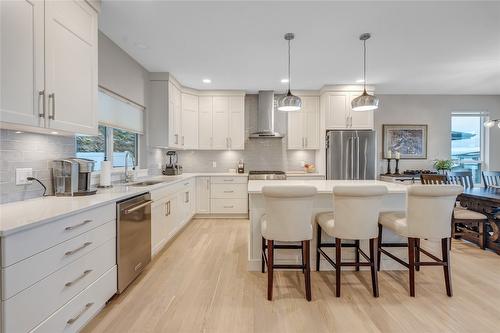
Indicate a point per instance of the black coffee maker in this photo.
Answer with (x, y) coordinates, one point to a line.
(172, 168)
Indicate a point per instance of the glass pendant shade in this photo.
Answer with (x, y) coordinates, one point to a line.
(491, 123)
(289, 103)
(365, 102)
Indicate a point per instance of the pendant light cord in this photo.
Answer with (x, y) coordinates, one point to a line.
(289, 60)
(364, 66)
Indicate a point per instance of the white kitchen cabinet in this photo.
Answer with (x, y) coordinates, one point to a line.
(203, 195)
(158, 225)
(339, 114)
(22, 62)
(237, 122)
(49, 65)
(303, 126)
(174, 116)
(189, 121)
(205, 122)
(220, 123)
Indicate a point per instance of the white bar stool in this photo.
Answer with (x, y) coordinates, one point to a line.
(287, 218)
(355, 217)
(428, 215)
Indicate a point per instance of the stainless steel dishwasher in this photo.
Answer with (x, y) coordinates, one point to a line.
(133, 250)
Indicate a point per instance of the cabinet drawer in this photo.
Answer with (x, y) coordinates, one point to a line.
(24, 244)
(229, 206)
(229, 180)
(229, 191)
(25, 273)
(77, 312)
(32, 306)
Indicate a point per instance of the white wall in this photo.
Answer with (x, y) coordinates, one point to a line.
(435, 111)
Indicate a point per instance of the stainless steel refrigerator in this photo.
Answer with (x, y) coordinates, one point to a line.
(350, 154)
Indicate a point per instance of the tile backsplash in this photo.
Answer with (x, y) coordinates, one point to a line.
(29, 150)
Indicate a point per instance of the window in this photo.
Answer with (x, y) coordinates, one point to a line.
(111, 142)
(467, 143)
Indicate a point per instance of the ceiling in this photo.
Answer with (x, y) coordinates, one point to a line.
(416, 47)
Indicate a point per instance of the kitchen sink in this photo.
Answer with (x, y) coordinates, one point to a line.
(148, 183)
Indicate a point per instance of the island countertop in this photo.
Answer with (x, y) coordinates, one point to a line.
(323, 186)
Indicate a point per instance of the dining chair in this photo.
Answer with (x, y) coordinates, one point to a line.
(428, 214)
(463, 178)
(287, 218)
(355, 217)
(428, 179)
(491, 179)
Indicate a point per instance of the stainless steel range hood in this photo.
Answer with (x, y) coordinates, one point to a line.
(265, 117)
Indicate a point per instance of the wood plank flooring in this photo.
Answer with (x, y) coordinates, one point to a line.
(200, 284)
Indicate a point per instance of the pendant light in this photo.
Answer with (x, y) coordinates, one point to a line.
(365, 102)
(289, 102)
(491, 123)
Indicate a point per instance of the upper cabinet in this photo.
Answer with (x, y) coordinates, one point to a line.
(49, 65)
(339, 114)
(183, 118)
(303, 126)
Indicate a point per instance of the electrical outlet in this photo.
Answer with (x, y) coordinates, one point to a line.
(214, 164)
(22, 174)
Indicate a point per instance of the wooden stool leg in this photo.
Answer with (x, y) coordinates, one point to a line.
(338, 264)
(373, 262)
(379, 246)
(411, 265)
(307, 252)
(303, 257)
(356, 244)
(270, 263)
(446, 269)
(318, 243)
(263, 264)
(417, 253)
(481, 229)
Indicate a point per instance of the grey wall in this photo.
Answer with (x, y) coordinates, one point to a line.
(29, 150)
(259, 154)
(435, 111)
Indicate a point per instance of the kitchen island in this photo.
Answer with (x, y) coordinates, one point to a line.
(395, 200)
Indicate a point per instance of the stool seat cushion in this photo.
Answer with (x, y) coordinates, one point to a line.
(395, 221)
(327, 223)
(285, 238)
(466, 214)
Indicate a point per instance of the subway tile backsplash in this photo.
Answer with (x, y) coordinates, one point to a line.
(29, 150)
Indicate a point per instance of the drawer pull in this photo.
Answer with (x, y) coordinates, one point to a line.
(78, 249)
(229, 180)
(228, 191)
(186, 184)
(85, 273)
(228, 206)
(72, 320)
(71, 227)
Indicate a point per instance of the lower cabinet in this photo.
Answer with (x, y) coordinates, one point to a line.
(203, 195)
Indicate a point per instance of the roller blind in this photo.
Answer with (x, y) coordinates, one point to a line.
(118, 113)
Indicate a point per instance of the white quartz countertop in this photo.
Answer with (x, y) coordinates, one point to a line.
(16, 216)
(323, 186)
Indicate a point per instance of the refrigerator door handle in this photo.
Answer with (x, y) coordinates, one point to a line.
(347, 157)
(352, 158)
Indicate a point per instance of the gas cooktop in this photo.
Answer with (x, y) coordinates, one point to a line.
(266, 175)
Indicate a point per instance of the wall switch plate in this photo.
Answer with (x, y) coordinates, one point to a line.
(214, 164)
(22, 174)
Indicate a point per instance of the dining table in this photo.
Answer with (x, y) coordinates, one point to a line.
(485, 200)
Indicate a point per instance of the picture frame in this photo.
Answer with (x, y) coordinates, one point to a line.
(409, 140)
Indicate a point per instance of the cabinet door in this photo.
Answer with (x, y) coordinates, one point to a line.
(189, 119)
(311, 121)
(359, 119)
(295, 135)
(336, 111)
(71, 66)
(203, 195)
(159, 219)
(174, 116)
(205, 123)
(220, 125)
(21, 62)
(237, 122)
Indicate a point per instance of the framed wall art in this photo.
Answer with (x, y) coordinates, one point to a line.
(410, 141)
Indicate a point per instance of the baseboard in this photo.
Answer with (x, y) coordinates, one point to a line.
(221, 216)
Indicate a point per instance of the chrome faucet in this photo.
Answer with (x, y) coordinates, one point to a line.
(128, 177)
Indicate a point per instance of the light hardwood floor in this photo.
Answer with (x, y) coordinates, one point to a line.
(200, 284)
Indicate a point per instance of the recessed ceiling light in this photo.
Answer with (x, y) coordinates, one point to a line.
(207, 81)
(55, 133)
(360, 81)
(284, 80)
(141, 46)
(19, 132)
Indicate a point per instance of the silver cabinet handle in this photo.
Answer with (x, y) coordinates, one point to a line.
(72, 320)
(41, 94)
(84, 274)
(78, 249)
(186, 184)
(186, 200)
(228, 206)
(133, 209)
(307, 142)
(228, 191)
(53, 97)
(176, 138)
(182, 140)
(167, 208)
(229, 180)
(71, 227)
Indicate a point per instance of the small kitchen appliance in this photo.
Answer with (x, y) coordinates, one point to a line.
(72, 177)
(172, 168)
(241, 167)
